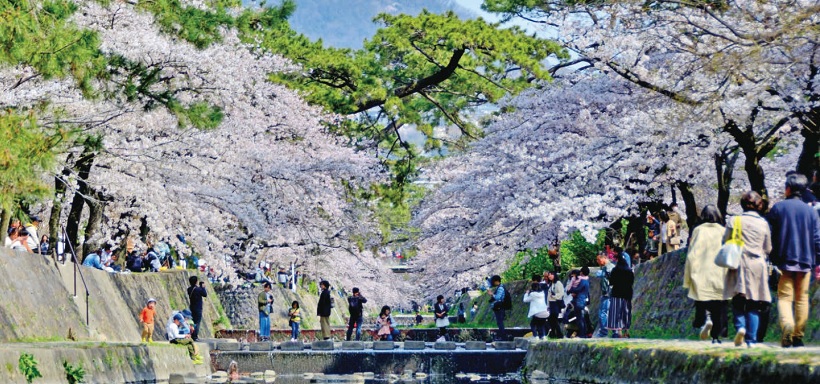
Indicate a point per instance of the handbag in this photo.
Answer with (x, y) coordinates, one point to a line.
(730, 252)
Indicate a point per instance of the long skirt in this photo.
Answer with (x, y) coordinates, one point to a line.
(620, 314)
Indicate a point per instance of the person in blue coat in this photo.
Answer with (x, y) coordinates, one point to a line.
(580, 294)
(795, 229)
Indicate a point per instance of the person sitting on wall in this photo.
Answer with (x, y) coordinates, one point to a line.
(93, 260)
(175, 337)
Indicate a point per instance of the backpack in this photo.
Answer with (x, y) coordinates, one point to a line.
(507, 301)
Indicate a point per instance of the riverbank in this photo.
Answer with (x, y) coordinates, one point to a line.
(39, 301)
(669, 361)
(103, 362)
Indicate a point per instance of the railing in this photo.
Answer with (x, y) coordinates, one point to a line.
(76, 271)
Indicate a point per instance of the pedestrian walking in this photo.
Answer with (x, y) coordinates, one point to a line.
(795, 251)
(748, 285)
(703, 278)
(538, 312)
(619, 319)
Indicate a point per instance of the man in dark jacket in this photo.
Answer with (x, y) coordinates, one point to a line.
(323, 309)
(195, 295)
(795, 251)
(356, 310)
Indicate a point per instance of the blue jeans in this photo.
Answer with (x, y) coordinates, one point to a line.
(746, 314)
(357, 322)
(603, 315)
(499, 321)
(294, 330)
(264, 324)
(580, 305)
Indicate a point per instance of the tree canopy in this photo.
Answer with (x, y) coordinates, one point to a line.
(426, 71)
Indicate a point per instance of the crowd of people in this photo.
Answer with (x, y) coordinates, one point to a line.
(25, 237)
(783, 243)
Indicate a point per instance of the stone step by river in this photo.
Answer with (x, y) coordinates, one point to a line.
(380, 357)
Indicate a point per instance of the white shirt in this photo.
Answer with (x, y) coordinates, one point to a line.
(33, 238)
(173, 331)
(537, 302)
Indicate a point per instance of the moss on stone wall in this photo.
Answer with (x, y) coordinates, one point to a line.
(653, 361)
(38, 303)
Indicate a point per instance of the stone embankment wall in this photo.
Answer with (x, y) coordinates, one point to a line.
(671, 362)
(241, 308)
(104, 363)
(660, 307)
(38, 304)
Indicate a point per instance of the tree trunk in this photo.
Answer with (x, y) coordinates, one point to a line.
(57, 205)
(691, 206)
(5, 218)
(635, 232)
(95, 211)
(757, 180)
(83, 169)
(724, 171)
(808, 161)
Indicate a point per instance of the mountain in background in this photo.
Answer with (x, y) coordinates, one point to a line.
(346, 23)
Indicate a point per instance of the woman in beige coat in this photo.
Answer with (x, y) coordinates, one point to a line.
(748, 285)
(704, 278)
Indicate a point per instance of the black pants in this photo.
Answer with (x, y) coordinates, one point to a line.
(499, 321)
(554, 325)
(538, 326)
(355, 322)
(197, 317)
(718, 314)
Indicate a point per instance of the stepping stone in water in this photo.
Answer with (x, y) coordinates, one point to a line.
(475, 345)
(353, 345)
(228, 346)
(261, 346)
(383, 345)
(322, 345)
(414, 345)
(504, 345)
(445, 345)
(292, 346)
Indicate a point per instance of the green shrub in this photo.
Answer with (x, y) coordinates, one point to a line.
(527, 263)
(28, 365)
(578, 252)
(74, 374)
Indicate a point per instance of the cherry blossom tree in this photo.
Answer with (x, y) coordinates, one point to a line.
(208, 149)
(580, 155)
(749, 67)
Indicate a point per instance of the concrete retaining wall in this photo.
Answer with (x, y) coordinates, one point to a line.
(670, 362)
(103, 363)
(37, 301)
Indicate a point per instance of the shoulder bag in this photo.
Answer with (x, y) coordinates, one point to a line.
(730, 252)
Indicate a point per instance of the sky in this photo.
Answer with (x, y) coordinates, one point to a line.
(475, 6)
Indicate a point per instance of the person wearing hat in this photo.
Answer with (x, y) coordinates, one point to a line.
(147, 319)
(175, 337)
